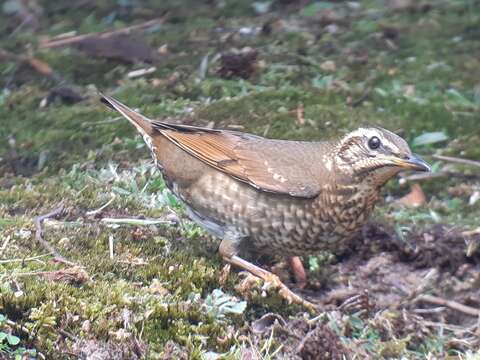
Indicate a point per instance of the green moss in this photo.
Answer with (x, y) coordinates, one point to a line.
(425, 79)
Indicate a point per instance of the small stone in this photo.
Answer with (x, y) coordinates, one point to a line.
(86, 326)
(328, 65)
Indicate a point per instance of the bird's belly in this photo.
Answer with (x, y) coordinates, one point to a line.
(273, 222)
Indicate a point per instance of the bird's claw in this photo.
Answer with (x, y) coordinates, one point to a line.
(288, 294)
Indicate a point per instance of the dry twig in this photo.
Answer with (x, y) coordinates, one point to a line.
(437, 175)
(136, 222)
(450, 304)
(79, 38)
(457, 160)
(33, 258)
(39, 235)
(456, 329)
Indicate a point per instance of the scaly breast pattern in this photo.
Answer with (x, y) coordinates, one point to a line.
(279, 223)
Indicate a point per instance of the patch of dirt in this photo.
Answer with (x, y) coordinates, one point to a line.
(384, 282)
(301, 339)
(386, 271)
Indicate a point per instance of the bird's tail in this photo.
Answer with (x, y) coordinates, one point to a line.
(142, 123)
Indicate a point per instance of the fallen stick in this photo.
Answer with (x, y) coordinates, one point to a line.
(450, 327)
(39, 235)
(33, 258)
(78, 38)
(436, 300)
(437, 175)
(434, 310)
(457, 160)
(426, 176)
(137, 222)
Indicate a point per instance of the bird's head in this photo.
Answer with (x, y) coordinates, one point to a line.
(375, 154)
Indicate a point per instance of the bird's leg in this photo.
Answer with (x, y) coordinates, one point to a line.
(229, 254)
(298, 271)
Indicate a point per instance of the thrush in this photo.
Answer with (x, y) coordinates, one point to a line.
(271, 196)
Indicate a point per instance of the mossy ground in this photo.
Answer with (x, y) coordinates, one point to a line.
(412, 68)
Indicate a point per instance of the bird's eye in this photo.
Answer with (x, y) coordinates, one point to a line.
(374, 143)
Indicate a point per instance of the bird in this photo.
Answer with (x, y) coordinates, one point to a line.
(271, 196)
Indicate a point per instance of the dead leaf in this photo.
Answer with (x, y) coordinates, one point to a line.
(415, 198)
(40, 66)
(73, 275)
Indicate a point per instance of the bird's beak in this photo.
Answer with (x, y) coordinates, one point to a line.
(412, 162)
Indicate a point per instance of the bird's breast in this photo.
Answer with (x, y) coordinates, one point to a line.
(277, 223)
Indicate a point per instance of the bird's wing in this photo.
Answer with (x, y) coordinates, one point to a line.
(268, 165)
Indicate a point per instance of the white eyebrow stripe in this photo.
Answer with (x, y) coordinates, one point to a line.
(361, 132)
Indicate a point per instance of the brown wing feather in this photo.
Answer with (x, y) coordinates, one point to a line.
(245, 157)
(215, 149)
(249, 158)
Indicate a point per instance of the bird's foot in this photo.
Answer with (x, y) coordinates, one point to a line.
(287, 294)
(272, 281)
